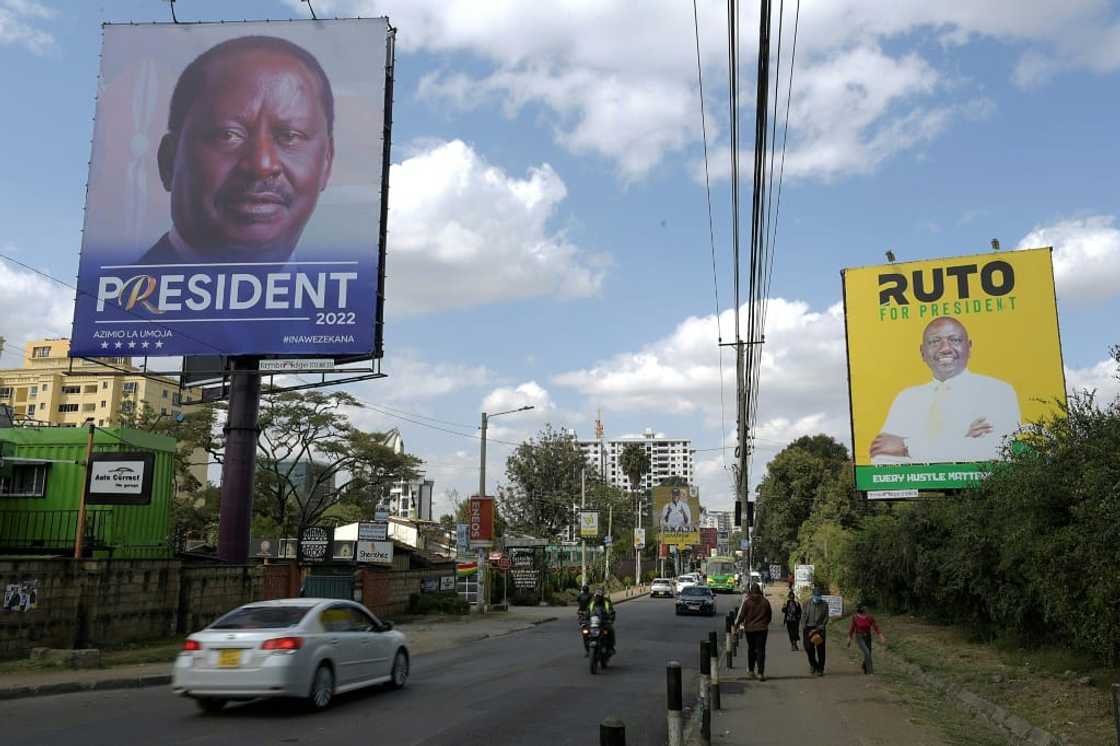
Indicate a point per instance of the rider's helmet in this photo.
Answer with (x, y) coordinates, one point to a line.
(586, 588)
(598, 594)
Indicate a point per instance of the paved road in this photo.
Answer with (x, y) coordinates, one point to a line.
(530, 687)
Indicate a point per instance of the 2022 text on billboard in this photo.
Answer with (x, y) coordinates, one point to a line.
(948, 359)
(235, 190)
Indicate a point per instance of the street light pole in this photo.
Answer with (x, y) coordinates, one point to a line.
(482, 563)
(582, 541)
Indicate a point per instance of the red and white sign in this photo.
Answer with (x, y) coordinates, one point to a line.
(481, 521)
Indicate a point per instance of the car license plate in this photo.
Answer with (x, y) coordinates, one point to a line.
(694, 606)
(229, 658)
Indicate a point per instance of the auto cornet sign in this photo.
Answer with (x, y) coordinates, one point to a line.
(120, 479)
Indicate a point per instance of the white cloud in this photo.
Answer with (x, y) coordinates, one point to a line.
(622, 84)
(802, 382)
(1102, 378)
(1086, 256)
(19, 25)
(31, 307)
(464, 233)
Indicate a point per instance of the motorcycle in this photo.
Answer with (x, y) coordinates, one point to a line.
(598, 642)
(585, 631)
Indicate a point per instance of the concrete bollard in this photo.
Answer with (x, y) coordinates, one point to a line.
(612, 732)
(705, 695)
(1116, 709)
(729, 625)
(713, 651)
(675, 697)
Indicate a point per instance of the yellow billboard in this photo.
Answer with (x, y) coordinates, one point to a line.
(678, 515)
(947, 359)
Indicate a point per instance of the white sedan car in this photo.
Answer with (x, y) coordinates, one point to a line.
(661, 587)
(684, 581)
(311, 648)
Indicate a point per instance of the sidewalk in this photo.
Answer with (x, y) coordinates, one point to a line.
(427, 636)
(842, 708)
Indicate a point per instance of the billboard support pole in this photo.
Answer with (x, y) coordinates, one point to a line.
(240, 462)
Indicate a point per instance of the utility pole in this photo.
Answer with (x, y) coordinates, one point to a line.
(582, 541)
(637, 549)
(80, 533)
(607, 553)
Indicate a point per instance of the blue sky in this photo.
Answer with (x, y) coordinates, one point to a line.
(564, 147)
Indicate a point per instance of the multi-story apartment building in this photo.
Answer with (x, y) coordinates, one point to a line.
(723, 520)
(41, 391)
(408, 499)
(668, 457)
(412, 499)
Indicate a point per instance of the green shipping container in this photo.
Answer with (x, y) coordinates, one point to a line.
(42, 475)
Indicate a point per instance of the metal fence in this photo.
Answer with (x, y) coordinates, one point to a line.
(49, 531)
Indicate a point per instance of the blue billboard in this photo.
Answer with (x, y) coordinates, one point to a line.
(234, 203)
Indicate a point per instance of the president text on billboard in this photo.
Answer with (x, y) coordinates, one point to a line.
(235, 186)
(947, 360)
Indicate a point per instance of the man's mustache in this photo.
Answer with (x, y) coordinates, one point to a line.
(273, 189)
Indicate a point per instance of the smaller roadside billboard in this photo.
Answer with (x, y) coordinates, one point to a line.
(588, 523)
(677, 510)
(481, 521)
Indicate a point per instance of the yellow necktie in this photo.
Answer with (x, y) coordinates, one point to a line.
(935, 423)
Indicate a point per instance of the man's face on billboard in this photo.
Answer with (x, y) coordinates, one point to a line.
(254, 151)
(946, 348)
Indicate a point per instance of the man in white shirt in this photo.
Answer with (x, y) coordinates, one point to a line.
(958, 416)
(676, 516)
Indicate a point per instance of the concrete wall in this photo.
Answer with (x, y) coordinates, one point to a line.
(386, 593)
(101, 603)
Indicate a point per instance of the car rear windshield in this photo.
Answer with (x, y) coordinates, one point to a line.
(660, 580)
(262, 617)
(696, 590)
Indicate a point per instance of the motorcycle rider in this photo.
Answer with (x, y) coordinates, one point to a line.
(583, 601)
(601, 605)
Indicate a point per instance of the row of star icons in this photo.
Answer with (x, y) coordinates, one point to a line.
(131, 345)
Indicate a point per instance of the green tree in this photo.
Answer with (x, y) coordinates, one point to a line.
(544, 483)
(811, 476)
(635, 464)
(347, 472)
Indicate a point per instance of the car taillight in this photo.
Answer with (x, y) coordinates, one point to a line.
(191, 646)
(283, 643)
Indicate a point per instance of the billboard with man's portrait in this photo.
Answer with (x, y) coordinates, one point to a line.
(948, 359)
(234, 201)
(677, 511)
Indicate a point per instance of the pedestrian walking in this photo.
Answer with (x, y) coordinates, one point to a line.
(791, 614)
(814, 631)
(860, 628)
(754, 617)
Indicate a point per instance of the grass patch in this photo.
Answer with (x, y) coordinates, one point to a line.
(932, 709)
(1039, 685)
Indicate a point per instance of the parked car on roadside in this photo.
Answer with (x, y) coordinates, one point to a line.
(662, 588)
(696, 599)
(309, 648)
